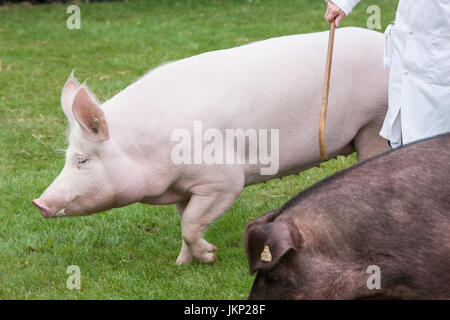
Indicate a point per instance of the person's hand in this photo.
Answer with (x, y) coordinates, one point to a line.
(334, 13)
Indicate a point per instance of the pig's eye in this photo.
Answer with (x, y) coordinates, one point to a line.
(82, 160)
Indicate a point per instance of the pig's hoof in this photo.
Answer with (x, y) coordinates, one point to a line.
(185, 256)
(200, 250)
(209, 258)
(182, 259)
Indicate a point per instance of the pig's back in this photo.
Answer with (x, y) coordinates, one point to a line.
(269, 83)
(407, 186)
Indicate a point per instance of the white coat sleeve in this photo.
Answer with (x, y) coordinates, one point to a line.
(346, 5)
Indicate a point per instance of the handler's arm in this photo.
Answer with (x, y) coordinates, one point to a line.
(339, 9)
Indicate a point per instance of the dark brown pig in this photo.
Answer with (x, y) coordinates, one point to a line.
(378, 230)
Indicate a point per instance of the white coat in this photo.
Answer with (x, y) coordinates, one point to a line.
(419, 84)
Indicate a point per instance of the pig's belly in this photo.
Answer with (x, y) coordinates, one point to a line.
(168, 197)
(293, 162)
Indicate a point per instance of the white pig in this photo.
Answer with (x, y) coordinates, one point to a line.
(121, 152)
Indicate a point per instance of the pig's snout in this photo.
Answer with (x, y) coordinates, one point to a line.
(46, 210)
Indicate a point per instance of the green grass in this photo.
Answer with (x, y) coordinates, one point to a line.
(129, 252)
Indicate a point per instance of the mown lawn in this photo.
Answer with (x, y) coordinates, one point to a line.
(126, 253)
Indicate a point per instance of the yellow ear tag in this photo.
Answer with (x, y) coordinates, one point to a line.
(266, 255)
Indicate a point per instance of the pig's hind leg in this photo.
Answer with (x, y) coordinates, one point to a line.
(368, 142)
(205, 205)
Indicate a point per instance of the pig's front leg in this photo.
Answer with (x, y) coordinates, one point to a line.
(205, 205)
(185, 256)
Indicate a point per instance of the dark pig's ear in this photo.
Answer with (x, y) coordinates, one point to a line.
(89, 115)
(267, 242)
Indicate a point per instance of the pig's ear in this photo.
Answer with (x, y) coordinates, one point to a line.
(89, 115)
(267, 243)
(68, 94)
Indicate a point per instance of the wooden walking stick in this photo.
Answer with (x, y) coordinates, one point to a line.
(326, 89)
